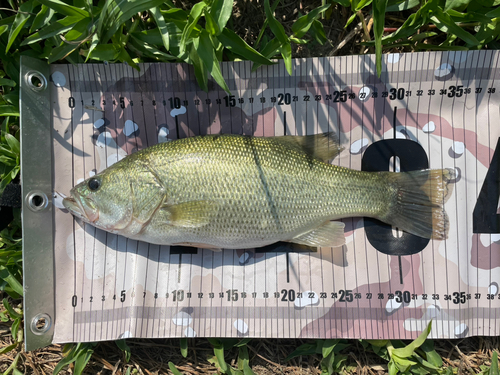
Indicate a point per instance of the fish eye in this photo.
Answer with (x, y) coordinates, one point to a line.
(94, 184)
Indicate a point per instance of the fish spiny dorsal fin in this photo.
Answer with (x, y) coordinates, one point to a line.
(323, 146)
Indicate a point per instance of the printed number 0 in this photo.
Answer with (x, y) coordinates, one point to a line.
(485, 218)
(377, 158)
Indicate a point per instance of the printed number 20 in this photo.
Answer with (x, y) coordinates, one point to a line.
(377, 158)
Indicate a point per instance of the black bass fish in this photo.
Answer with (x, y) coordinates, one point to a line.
(235, 192)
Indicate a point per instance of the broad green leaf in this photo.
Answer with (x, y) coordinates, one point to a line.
(456, 4)
(194, 16)
(427, 365)
(184, 347)
(402, 5)
(122, 11)
(219, 354)
(211, 26)
(6, 274)
(207, 55)
(243, 358)
(276, 27)
(106, 52)
(79, 31)
(122, 345)
(54, 28)
(42, 18)
(8, 348)
(468, 17)
(328, 347)
(302, 25)
(446, 25)
(408, 350)
(403, 362)
(13, 143)
(243, 342)
(63, 8)
(125, 57)
(162, 27)
(200, 70)
(424, 35)
(494, 364)
(174, 370)
(362, 4)
(432, 356)
(68, 359)
(12, 313)
(3, 28)
(149, 51)
(286, 52)
(352, 18)
(494, 13)
(378, 31)
(82, 359)
(233, 42)
(247, 370)
(221, 11)
(7, 82)
(61, 52)
(264, 26)
(304, 349)
(8, 110)
(317, 32)
(19, 22)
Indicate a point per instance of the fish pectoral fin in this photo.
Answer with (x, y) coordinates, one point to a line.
(325, 146)
(330, 234)
(193, 214)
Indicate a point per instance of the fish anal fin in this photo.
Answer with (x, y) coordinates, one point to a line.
(192, 214)
(329, 234)
(323, 146)
(199, 246)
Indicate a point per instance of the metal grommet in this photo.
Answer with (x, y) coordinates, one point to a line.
(36, 80)
(37, 200)
(41, 323)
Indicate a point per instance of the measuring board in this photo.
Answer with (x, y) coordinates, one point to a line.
(427, 110)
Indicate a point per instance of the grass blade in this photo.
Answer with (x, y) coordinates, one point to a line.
(302, 25)
(19, 22)
(221, 12)
(233, 42)
(276, 27)
(184, 347)
(194, 16)
(286, 52)
(444, 23)
(42, 18)
(162, 27)
(408, 350)
(200, 70)
(174, 370)
(378, 30)
(206, 52)
(63, 8)
(54, 28)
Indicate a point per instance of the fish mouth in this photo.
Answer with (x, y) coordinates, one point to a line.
(82, 208)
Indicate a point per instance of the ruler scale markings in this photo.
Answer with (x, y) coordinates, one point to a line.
(313, 74)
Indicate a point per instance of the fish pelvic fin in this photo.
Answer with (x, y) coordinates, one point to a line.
(324, 147)
(193, 214)
(417, 205)
(329, 234)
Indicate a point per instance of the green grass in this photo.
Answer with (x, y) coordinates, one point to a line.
(133, 31)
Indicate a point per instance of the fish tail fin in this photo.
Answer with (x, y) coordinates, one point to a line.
(417, 202)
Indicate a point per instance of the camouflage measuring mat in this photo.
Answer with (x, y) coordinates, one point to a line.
(428, 110)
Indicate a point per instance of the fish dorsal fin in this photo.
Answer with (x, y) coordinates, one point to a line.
(193, 214)
(323, 146)
(329, 234)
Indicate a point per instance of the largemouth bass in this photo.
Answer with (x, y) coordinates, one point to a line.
(231, 191)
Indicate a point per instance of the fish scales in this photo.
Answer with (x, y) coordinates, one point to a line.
(263, 191)
(230, 191)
